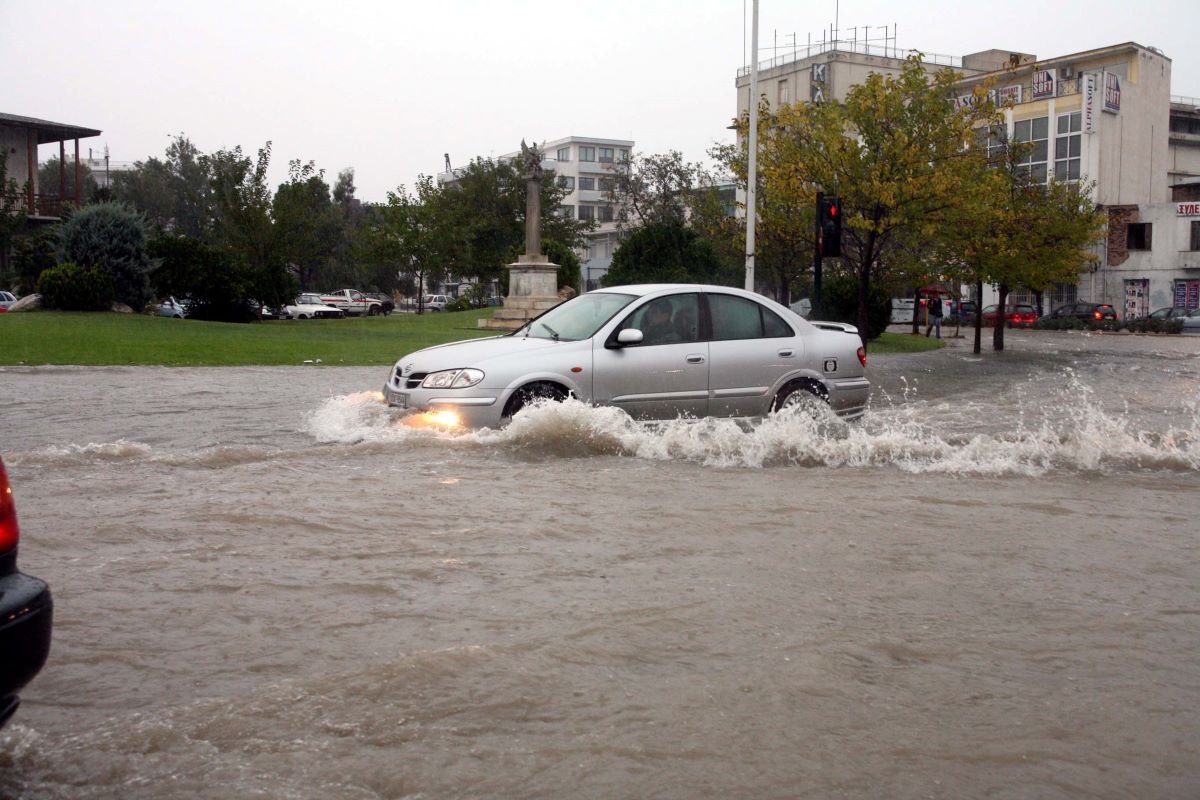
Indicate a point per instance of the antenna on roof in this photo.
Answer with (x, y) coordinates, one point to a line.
(448, 169)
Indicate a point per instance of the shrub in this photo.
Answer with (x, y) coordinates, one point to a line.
(71, 287)
(839, 298)
(112, 238)
(459, 304)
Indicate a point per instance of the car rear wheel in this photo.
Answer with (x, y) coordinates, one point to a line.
(807, 396)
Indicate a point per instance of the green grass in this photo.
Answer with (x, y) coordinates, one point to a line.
(57, 337)
(903, 343)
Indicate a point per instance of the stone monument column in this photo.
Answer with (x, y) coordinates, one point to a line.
(533, 279)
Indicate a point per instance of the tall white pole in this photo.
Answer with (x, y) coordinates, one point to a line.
(752, 167)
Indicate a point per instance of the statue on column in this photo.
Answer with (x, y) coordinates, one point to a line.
(531, 158)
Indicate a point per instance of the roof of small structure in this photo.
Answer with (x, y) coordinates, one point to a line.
(46, 130)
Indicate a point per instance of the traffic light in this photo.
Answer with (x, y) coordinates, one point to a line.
(829, 221)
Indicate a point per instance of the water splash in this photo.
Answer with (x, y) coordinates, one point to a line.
(1036, 431)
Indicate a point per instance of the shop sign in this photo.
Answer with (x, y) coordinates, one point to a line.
(1190, 209)
(1089, 103)
(1009, 95)
(1112, 93)
(1043, 83)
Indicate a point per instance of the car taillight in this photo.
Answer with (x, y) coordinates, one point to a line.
(1098, 314)
(9, 532)
(862, 356)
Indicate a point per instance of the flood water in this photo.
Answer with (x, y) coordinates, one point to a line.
(269, 585)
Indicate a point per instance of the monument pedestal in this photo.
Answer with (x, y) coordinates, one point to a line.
(532, 289)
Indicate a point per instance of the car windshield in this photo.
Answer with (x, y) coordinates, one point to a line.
(578, 318)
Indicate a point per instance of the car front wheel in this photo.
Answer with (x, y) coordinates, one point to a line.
(531, 393)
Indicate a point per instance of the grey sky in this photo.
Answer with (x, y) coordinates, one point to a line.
(387, 88)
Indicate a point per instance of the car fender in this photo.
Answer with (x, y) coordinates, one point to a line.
(545, 376)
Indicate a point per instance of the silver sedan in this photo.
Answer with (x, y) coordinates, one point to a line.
(656, 351)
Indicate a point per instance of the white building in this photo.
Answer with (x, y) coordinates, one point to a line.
(1105, 116)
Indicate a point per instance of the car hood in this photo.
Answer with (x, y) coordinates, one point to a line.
(474, 352)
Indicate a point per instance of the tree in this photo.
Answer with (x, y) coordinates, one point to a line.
(174, 193)
(893, 151)
(666, 252)
(412, 234)
(112, 238)
(1012, 231)
(654, 188)
(309, 228)
(12, 218)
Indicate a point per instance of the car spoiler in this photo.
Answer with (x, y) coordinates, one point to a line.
(835, 326)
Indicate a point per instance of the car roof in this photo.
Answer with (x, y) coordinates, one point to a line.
(647, 289)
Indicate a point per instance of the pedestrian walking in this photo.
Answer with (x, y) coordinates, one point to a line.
(935, 316)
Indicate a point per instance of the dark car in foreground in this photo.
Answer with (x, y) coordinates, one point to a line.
(26, 612)
(1084, 311)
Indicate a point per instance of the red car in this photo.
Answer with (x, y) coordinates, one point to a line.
(26, 612)
(1016, 315)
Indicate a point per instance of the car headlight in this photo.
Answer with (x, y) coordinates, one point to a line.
(452, 379)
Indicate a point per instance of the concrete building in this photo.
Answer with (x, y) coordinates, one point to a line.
(19, 140)
(584, 166)
(1105, 116)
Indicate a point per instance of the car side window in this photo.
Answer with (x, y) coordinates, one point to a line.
(739, 318)
(667, 320)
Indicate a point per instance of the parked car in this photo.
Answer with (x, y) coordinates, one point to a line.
(1084, 311)
(435, 302)
(386, 304)
(26, 612)
(963, 309)
(1170, 312)
(171, 308)
(656, 351)
(6, 300)
(1017, 315)
(308, 306)
(1192, 321)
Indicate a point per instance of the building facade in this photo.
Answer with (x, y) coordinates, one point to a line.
(1104, 116)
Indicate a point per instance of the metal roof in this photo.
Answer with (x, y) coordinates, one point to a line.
(47, 131)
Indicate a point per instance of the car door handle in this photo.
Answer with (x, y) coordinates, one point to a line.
(786, 353)
(695, 358)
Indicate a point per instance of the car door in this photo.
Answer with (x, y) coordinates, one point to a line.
(750, 349)
(664, 376)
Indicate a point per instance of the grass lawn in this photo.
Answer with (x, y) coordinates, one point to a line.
(59, 337)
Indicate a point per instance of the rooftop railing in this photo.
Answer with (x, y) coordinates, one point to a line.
(849, 46)
(1183, 100)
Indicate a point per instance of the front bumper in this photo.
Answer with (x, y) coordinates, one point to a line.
(26, 619)
(475, 408)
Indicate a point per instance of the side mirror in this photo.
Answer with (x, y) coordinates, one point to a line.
(629, 336)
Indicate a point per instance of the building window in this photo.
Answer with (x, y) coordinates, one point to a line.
(587, 184)
(782, 93)
(1067, 146)
(1036, 131)
(1137, 236)
(587, 153)
(1196, 234)
(606, 214)
(587, 213)
(606, 155)
(1063, 293)
(564, 154)
(566, 182)
(623, 155)
(993, 140)
(606, 184)
(566, 212)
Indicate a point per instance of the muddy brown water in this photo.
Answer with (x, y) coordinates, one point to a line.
(268, 585)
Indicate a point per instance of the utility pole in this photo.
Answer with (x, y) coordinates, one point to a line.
(752, 167)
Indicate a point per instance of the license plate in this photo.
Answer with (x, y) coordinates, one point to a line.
(399, 399)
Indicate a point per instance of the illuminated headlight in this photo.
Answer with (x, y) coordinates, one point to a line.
(452, 379)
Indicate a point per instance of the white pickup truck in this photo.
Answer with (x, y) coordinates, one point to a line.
(352, 302)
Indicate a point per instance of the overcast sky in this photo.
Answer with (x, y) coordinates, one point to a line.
(388, 87)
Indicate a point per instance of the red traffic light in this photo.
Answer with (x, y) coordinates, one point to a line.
(833, 212)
